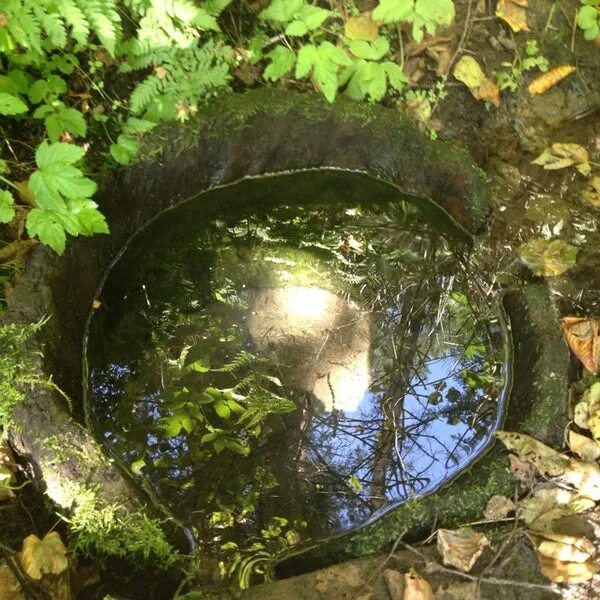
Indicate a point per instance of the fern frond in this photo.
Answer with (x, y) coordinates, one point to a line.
(104, 21)
(147, 91)
(25, 28)
(80, 28)
(53, 26)
(242, 359)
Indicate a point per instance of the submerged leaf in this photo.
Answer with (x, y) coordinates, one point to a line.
(47, 555)
(545, 81)
(468, 71)
(461, 548)
(591, 194)
(548, 258)
(560, 156)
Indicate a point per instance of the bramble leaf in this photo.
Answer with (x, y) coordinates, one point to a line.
(11, 105)
(7, 209)
(46, 225)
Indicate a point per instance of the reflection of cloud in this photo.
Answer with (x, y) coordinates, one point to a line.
(320, 341)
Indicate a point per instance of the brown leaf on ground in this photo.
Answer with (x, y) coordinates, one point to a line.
(47, 555)
(583, 337)
(394, 581)
(547, 461)
(25, 194)
(583, 476)
(416, 587)
(461, 548)
(498, 508)
(10, 588)
(361, 27)
(468, 590)
(547, 80)
(591, 194)
(583, 446)
(560, 156)
(567, 572)
(514, 13)
(522, 470)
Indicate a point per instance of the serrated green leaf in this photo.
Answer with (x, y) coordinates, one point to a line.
(89, 219)
(398, 80)
(11, 105)
(313, 16)
(125, 149)
(588, 17)
(48, 155)
(222, 409)
(205, 20)
(306, 59)
(296, 29)
(63, 120)
(394, 11)
(370, 50)
(215, 7)
(45, 225)
(7, 209)
(281, 11)
(282, 60)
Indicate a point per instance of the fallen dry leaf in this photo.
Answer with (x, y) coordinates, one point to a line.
(416, 587)
(361, 27)
(461, 548)
(468, 71)
(513, 12)
(394, 581)
(10, 588)
(498, 508)
(583, 476)
(567, 572)
(567, 548)
(546, 506)
(591, 194)
(47, 555)
(547, 461)
(545, 81)
(522, 470)
(583, 337)
(560, 156)
(583, 446)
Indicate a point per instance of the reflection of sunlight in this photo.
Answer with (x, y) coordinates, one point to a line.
(307, 302)
(320, 341)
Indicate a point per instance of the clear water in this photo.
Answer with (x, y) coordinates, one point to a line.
(288, 372)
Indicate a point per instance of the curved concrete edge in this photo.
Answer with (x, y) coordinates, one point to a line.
(537, 407)
(237, 137)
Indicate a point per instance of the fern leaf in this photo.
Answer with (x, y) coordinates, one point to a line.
(80, 28)
(25, 28)
(144, 93)
(104, 21)
(53, 27)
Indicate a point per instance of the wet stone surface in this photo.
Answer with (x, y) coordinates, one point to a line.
(288, 372)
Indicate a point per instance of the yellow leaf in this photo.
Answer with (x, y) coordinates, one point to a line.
(567, 572)
(547, 461)
(544, 507)
(545, 81)
(583, 446)
(513, 12)
(548, 258)
(96, 304)
(43, 556)
(461, 548)
(361, 28)
(566, 548)
(468, 71)
(415, 587)
(560, 156)
(10, 588)
(592, 192)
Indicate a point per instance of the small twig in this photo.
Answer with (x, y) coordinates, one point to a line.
(386, 560)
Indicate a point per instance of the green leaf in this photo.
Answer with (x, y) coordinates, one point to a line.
(65, 120)
(324, 61)
(137, 466)
(222, 409)
(7, 209)
(215, 7)
(125, 149)
(200, 366)
(282, 60)
(396, 76)
(370, 50)
(296, 29)
(394, 11)
(48, 229)
(588, 17)
(89, 219)
(11, 105)
(306, 59)
(281, 11)
(313, 16)
(548, 258)
(56, 178)
(47, 90)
